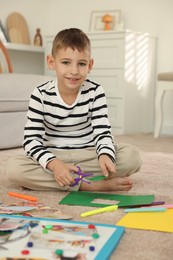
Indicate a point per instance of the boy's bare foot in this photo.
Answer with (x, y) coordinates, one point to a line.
(113, 184)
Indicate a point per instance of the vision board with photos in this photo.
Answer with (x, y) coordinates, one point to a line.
(38, 238)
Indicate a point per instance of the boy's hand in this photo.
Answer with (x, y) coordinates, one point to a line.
(107, 166)
(62, 171)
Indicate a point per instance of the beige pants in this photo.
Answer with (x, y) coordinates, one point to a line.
(28, 173)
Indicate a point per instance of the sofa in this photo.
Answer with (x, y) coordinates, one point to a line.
(15, 92)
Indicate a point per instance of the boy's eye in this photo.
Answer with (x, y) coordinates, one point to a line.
(82, 64)
(65, 62)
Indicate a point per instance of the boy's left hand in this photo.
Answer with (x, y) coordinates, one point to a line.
(107, 166)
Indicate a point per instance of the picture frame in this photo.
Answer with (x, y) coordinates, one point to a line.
(3, 33)
(2, 36)
(96, 23)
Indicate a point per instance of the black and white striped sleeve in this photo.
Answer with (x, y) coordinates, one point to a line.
(101, 126)
(34, 131)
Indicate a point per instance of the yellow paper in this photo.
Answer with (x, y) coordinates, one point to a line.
(158, 221)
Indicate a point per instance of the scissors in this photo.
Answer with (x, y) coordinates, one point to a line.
(81, 177)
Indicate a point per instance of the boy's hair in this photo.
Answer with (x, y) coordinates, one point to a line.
(73, 38)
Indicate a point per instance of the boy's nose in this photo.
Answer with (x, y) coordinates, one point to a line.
(74, 70)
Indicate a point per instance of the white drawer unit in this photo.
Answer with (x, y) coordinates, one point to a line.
(125, 65)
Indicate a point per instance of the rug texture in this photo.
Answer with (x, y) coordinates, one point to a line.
(155, 177)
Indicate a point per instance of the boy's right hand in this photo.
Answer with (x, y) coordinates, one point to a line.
(62, 171)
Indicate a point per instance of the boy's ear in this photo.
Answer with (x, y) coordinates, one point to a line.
(91, 64)
(50, 62)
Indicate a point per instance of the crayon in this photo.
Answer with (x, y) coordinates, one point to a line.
(145, 209)
(101, 210)
(22, 196)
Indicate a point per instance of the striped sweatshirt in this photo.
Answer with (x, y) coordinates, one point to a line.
(54, 125)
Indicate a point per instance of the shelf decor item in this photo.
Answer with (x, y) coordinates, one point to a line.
(38, 38)
(17, 28)
(3, 33)
(105, 20)
(2, 36)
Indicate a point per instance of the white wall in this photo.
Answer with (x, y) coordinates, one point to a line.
(152, 16)
(33, 11)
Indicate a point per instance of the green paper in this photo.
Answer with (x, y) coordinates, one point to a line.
(83, 198)
(97, 178)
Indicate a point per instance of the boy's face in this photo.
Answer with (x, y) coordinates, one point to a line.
(72, 68)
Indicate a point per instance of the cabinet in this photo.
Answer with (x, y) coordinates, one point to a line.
(26, 58)
(125, 65)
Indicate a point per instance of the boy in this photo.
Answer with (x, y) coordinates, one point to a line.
(67, 125)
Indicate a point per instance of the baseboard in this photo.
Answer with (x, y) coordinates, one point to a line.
(167, 130)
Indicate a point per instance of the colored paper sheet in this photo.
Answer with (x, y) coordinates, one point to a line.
(83, 198)
(97, 178)
(158, 221)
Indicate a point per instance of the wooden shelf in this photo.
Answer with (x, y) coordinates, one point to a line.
(23, 47)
